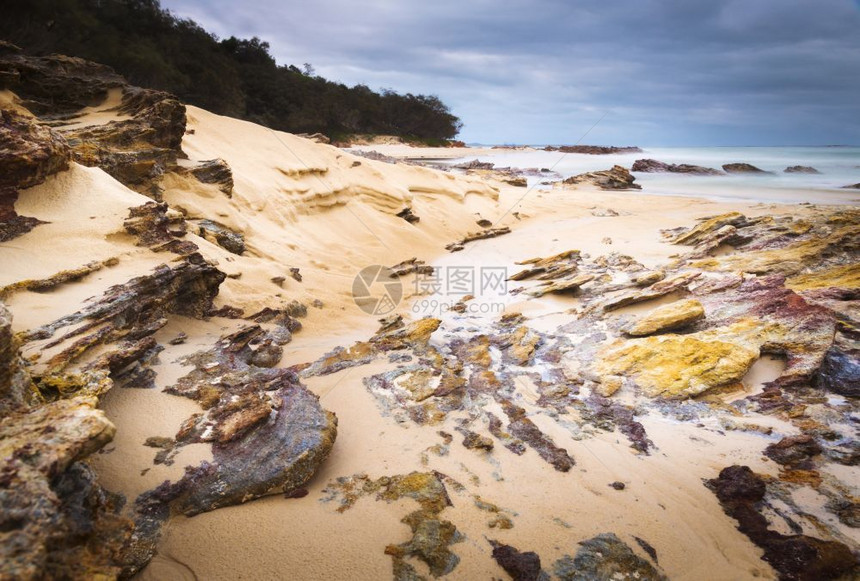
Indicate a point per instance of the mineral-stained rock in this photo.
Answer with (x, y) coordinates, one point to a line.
(127, 314)
(840, 370)
(795, 557)
(656, 290)
(654, 166)
(801, 169)
(222, 236)
(605, 558)
(526, 430)
(276, 450)
(432, 536)
(617, 178)
(29, 153)
(215, 171)
(269, 433)
(475, 441)
(134, 151)
(793, 450)
(520, 565)
(55, 521)
(56, 84)
(677, 366)
(16, 390)
(156, 226)
(669, 317)
(742, 168)
(708, 226)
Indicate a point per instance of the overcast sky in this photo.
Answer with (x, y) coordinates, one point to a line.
(658, 72)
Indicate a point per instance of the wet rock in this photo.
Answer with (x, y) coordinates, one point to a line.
(840, 371)
(654, 166)
(852, 187)
(669, 317)
(593, 149)
(521, 566)
(793, 450)
(222, 236)
(475, 164)
(801, 169)
(743, 168)
(617, 178)
(215, 171)
(605, 558)
(795, 557)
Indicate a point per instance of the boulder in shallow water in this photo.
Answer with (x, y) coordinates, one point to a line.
(617, 178)
(743, 168)
(801, 169)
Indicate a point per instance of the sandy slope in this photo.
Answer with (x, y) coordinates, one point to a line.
(329, 214)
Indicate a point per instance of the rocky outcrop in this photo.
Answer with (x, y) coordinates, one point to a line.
(852, 187)
(678, 366)
(793, 450)
(219, 234)
(654, 166)
(743, 168)
(520, 565)
(29, 153)
(135, 151)
(16, 390)
(605, 558)
(795, 557)
(269, 434)
(801, 169)
(432, 535)
(55, 86)
(670, 317)
(617, 178)
(217, 172)
(593, 149)
(482, 235)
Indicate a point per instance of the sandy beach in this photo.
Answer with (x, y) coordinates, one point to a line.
(311, 217)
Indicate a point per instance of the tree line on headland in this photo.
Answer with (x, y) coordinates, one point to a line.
(153, 48)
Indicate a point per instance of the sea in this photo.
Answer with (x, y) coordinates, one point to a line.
(839, 167)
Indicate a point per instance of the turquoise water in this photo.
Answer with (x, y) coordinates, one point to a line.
(839, 166)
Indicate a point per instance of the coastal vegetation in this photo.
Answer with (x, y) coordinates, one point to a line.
(237, 77)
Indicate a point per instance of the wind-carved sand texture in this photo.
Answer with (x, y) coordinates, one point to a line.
(666, 388)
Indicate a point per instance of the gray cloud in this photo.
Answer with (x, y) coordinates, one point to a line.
(663, 72)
